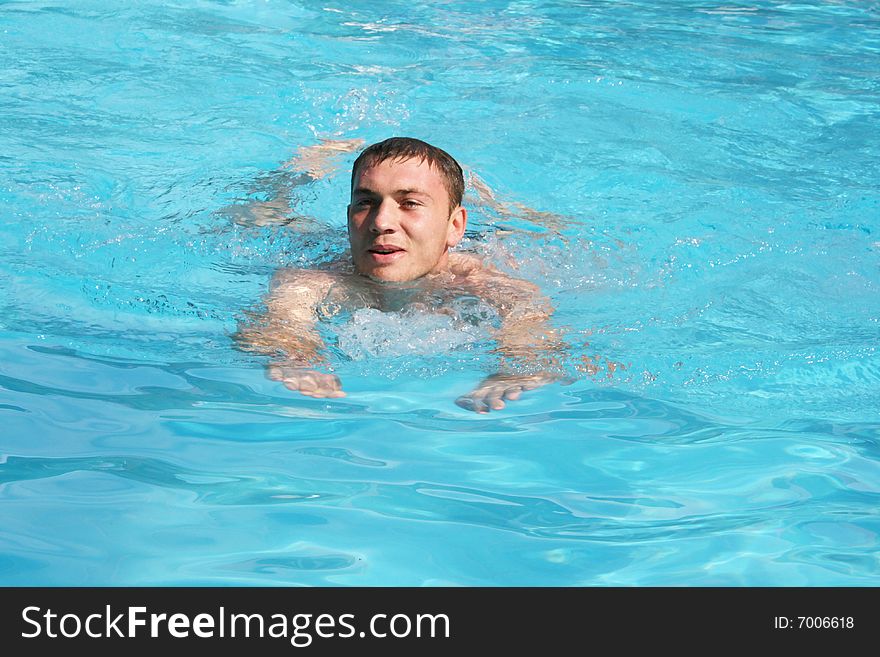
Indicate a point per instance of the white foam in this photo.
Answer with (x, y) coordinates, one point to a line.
(415, 330)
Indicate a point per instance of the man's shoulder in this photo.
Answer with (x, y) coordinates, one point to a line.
(293, 277)
(301, 288)
(478, 270)
(467, 264)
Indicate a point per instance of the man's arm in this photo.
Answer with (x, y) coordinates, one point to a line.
(531, 351)
(316, 160)
(288, 332)
(484, 196)
(310, 163)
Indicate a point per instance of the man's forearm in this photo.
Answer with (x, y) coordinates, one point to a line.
(530, 348)
(288, 345)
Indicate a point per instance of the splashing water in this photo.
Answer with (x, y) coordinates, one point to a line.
(693, 187)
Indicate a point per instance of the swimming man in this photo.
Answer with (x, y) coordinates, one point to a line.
(404, 217)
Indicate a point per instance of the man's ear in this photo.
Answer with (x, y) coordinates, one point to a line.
(457, 224)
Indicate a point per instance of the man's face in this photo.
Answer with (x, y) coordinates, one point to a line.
(399, 222)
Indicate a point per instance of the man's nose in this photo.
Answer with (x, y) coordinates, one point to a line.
(383, 218)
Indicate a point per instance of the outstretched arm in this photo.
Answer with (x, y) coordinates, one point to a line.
(316, 160)
(483, 195)
(288, 332)
(310, 163)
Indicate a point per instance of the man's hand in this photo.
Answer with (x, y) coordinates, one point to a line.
(498, 388)
(308, 382)
(316, 160)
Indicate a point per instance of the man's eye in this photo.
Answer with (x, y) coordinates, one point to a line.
(363, 203)
(409, 203)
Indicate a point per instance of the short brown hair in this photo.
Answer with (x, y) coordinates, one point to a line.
(406, 148)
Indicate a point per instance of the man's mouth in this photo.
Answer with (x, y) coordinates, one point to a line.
(385, 249)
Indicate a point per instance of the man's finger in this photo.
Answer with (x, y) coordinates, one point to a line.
(321, 393)
(493, 399)
(471, 403)
(307, 384)
(512, 394)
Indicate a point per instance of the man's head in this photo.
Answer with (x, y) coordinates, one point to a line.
(405, 211)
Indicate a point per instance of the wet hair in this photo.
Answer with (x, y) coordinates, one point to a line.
(399, 149)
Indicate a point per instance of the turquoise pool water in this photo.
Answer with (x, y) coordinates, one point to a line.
(716, 170)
